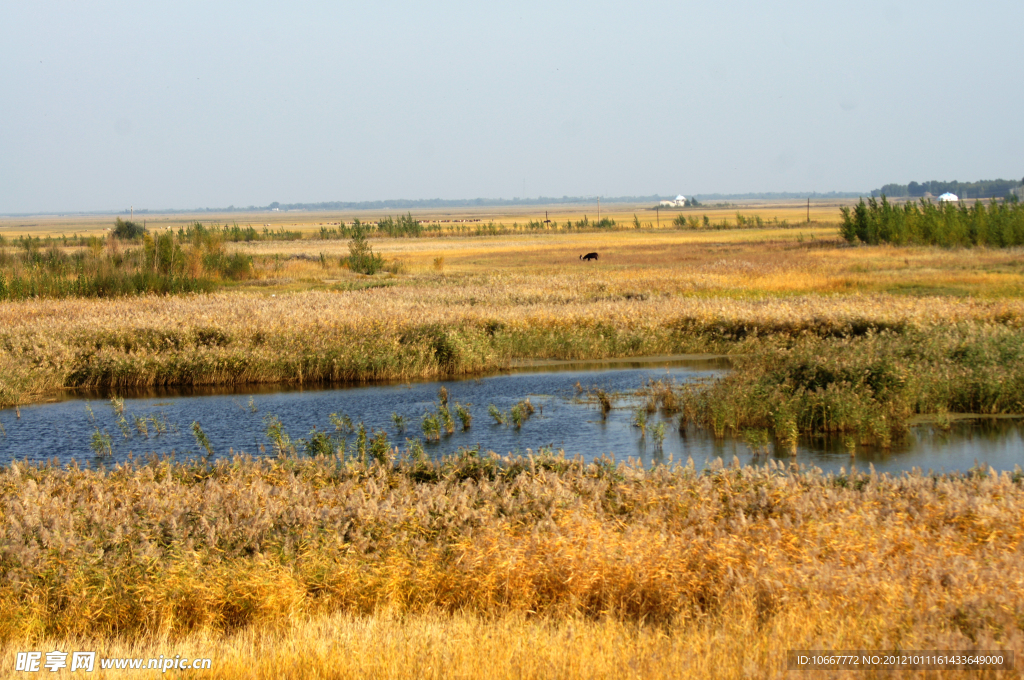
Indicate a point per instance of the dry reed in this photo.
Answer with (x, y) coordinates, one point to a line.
(174, 549)
(232, 338)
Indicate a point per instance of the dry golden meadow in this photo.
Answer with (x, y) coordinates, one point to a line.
(475, 567)
(505, 568)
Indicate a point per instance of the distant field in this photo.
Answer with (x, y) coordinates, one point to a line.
(744, 262)
(792, 211)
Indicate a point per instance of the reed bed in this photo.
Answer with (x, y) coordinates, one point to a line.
(128, 262)
(395, 333)
(776, 558)
(865, 387)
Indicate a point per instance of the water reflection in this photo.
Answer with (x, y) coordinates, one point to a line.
(998, 443)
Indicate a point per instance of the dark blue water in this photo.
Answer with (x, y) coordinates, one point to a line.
(565, 418)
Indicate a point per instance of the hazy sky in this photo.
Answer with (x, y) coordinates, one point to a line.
(208, 104)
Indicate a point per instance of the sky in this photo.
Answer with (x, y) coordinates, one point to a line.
(106, 105)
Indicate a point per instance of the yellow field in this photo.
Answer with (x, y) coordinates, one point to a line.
(441, 646)
(794, 212)
(730, 262)
(319, 568)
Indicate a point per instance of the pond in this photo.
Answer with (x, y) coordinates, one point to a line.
(566, 416)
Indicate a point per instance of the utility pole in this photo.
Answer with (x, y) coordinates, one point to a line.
(598, 208)
(808, 210)
(657, 211)
(132, 218)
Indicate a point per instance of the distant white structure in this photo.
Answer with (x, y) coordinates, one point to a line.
(680, 202)
(948, 198)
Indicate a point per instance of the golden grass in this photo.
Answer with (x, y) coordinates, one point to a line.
(572, 300)
(732, 262)
(452, 570)
(441, 646)
(321, 568)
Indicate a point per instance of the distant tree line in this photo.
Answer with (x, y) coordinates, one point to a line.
(997, 224)
(986, 188)
(409, 204)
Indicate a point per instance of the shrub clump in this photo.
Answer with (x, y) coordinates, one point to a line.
(127, 230)
(361, 258)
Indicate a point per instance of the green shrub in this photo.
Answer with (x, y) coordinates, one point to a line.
(128, 231)
(403, 226)
(361, 257)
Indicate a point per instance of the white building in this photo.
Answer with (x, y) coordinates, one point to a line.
(948, 198)
(680, 202)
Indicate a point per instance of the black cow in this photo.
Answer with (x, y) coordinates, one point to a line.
(589, 256)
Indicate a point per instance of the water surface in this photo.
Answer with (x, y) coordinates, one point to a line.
(160, 422)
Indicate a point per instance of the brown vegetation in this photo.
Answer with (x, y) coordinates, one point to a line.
(166, 551)
(226, 338)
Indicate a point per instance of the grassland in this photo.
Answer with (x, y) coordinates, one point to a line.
(668, 571)
(649, 573)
